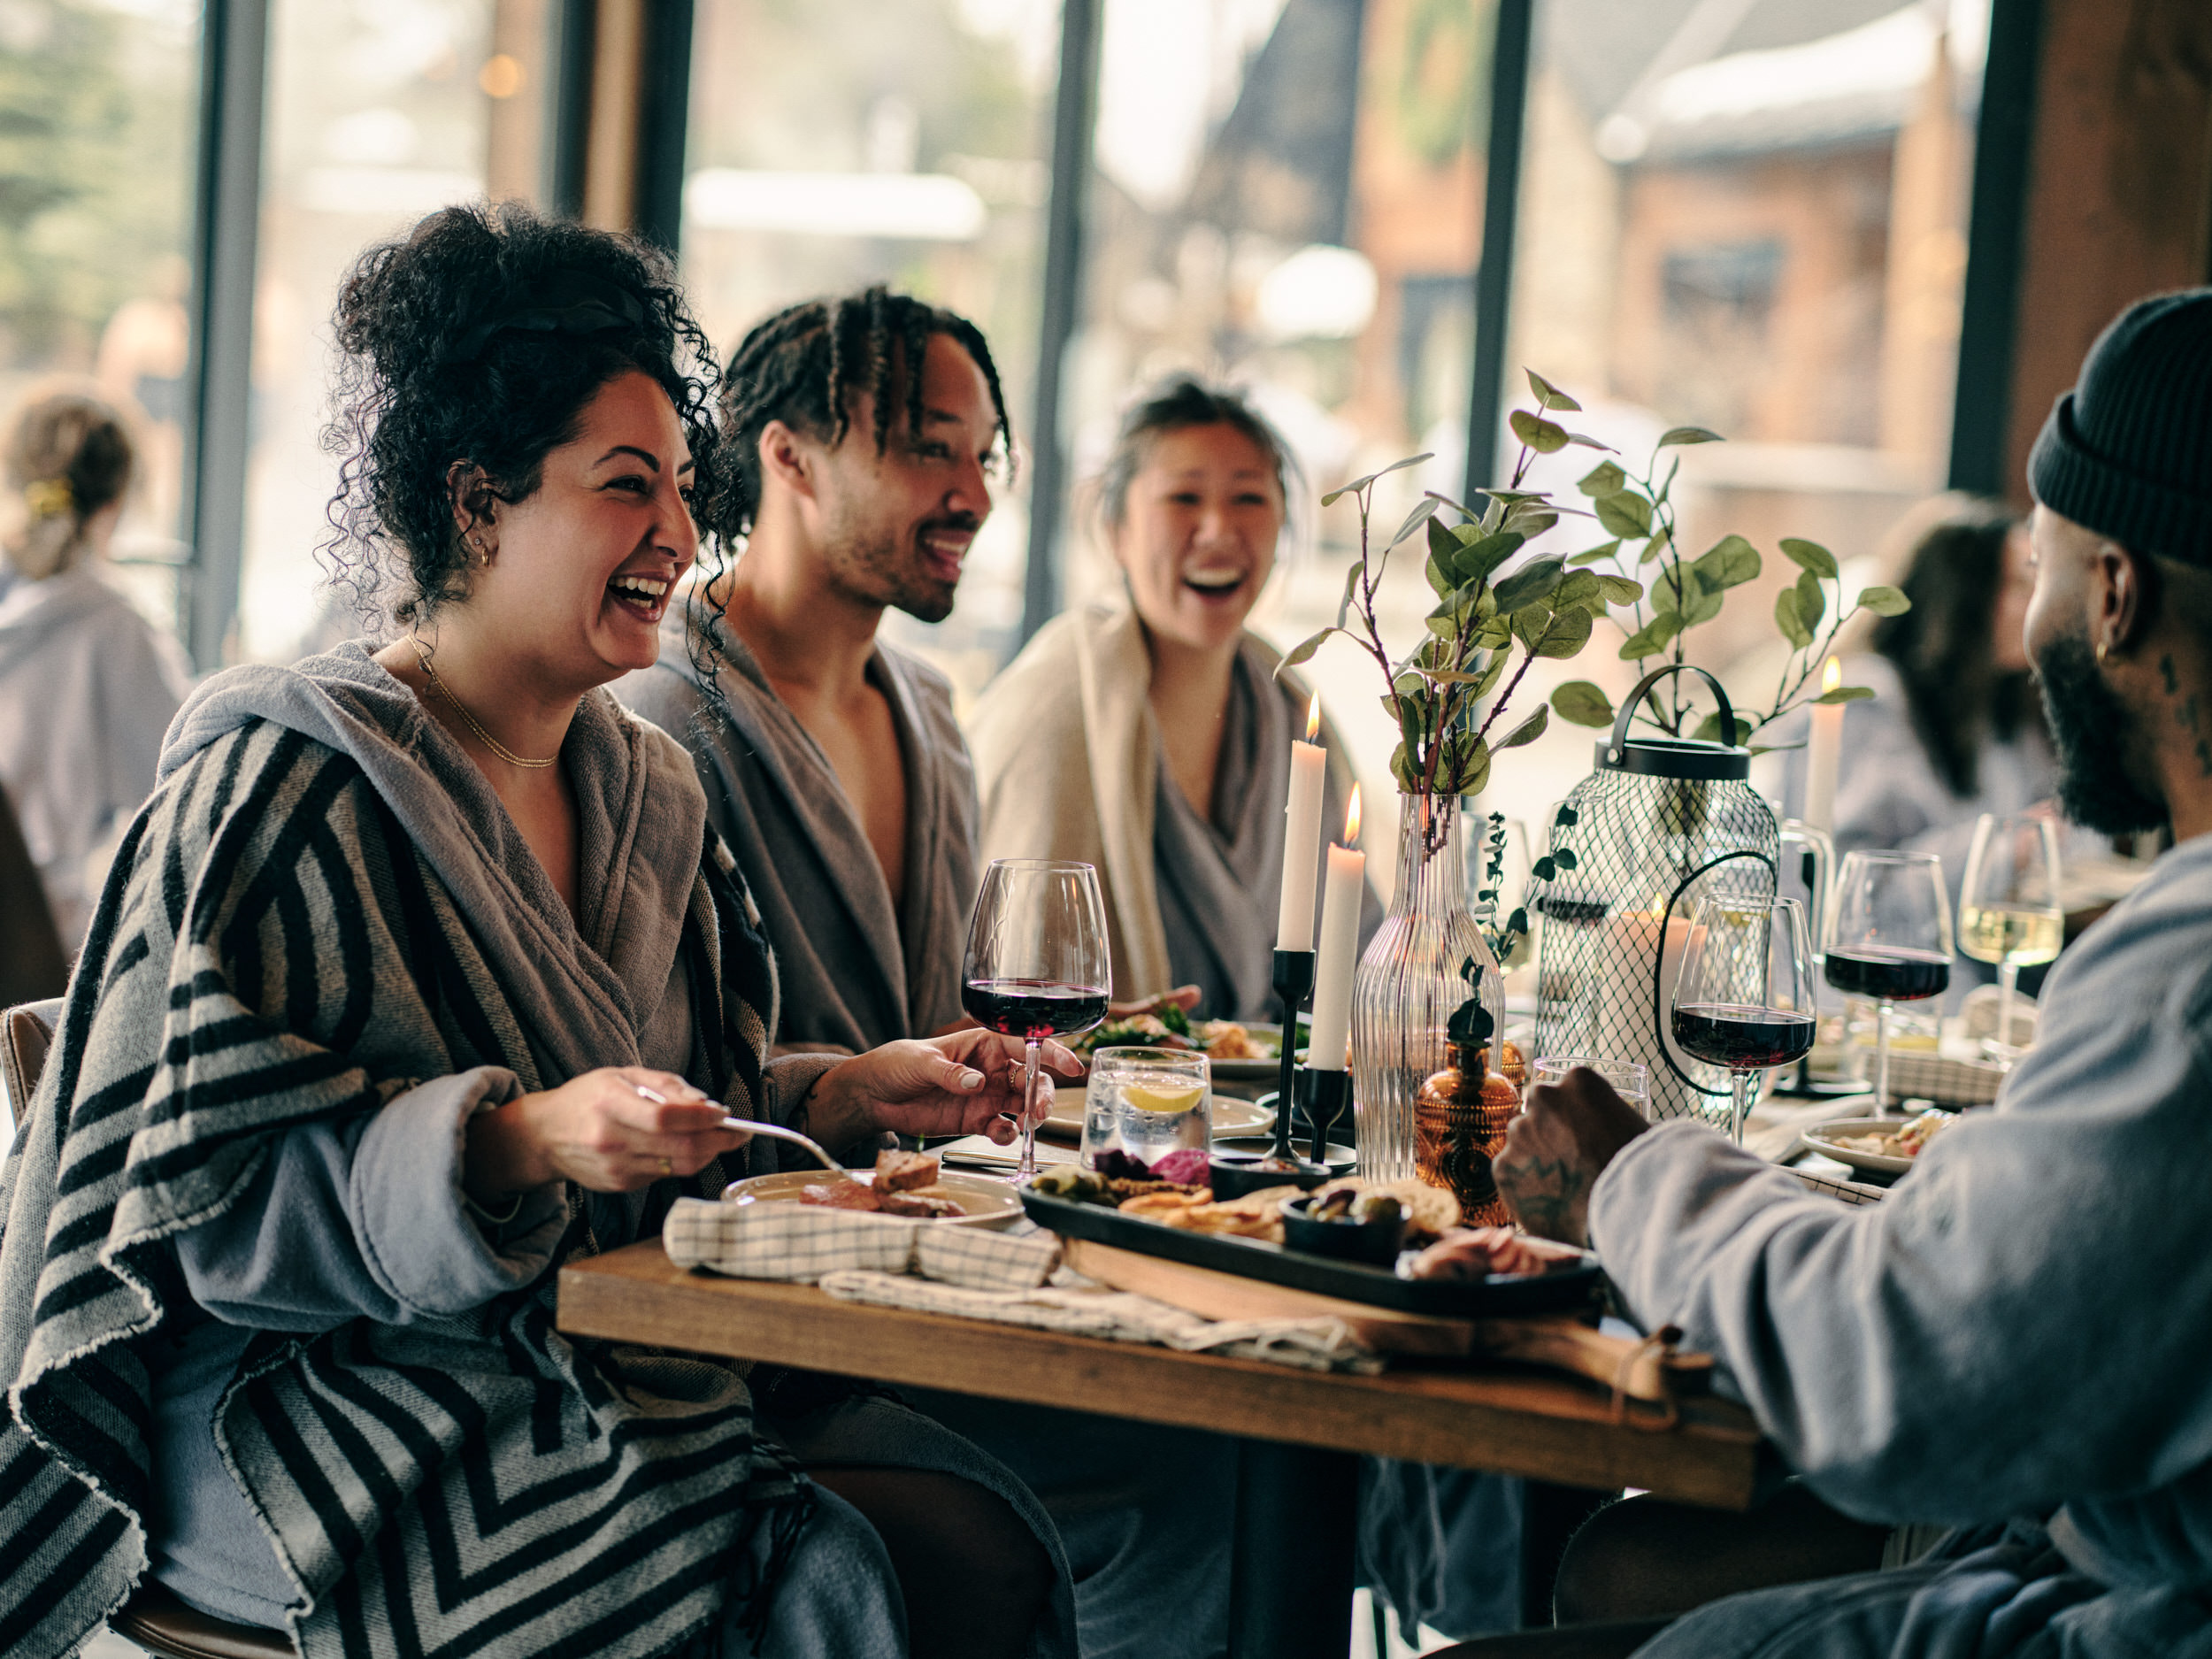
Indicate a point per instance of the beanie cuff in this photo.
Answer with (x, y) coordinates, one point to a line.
(2142, 515)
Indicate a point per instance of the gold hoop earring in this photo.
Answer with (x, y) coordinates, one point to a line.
(2104, 648)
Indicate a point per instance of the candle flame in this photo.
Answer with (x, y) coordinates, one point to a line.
(1313, 717)
(1831, 676)
(1351, 819)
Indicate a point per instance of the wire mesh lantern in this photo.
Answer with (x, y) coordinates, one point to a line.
(1661, 823)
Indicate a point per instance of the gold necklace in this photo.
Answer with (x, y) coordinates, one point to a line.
(497, 747)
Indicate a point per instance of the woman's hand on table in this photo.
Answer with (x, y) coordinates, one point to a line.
(964, 1083)
(604, 1130)
(1556, 1149)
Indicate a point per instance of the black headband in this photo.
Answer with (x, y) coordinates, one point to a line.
(562, 303)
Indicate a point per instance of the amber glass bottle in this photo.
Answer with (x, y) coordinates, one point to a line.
(1459, 1124)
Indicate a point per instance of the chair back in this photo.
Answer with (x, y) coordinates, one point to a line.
(34, 964)
(26, 1034)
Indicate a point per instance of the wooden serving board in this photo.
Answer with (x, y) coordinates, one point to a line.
(1642, 1372)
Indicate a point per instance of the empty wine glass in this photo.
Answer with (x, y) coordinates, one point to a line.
(2008, 910)
(1037, 964)
(1745, 998)
(1890, 939)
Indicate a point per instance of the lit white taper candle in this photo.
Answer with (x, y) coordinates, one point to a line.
(1301, 836)
(1338, 953)
(1823, 753)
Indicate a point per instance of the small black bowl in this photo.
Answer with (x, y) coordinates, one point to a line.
(1233, 1174)
(1375, 1242)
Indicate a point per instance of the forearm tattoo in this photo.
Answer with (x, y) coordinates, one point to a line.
(1549, 1195)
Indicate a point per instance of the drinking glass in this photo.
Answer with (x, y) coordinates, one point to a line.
(1746, 996)
(1632, 1082)
(1891, 941)
(1146, 1103)
(1037, 964)
(2009, 910)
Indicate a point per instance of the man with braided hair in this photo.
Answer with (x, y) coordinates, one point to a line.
(838, 774)
(839, 777)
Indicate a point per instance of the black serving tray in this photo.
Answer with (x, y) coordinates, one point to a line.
(1564, 1289)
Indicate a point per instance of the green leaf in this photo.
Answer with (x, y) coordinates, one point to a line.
(1528, 731)
(1689, 435)
(1517, 923)
(1539, 434)
(1588, 442)
(1358, 484)
(1477, 561)
(1567, 818)
(1601, 479)
(1568, 633)
(1544, 869)
(1597, 555)
(1402, 768)
(1675, 590)
(1810, 555)
(1579, 587)
(1624, 513)
(1528, 521)
(1812, 599)
(1708, 729)
(1790, 620)
(1351, 586)
(1304, 649)
(1845, 693)
(1651, 639)
(1472, 770)
(1440, 579)
(1620, 590)
(1564, 858)
(1493, 672)
(1884, 601)
(1704, 607)
(1533, 583)
(1549, 394)
(1442, 624)
(1583, 703)
(1529, 623)
(1729, 562)
(1422, 511)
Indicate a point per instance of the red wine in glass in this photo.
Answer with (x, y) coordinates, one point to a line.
(1743, 1037)
(1889, 973)
(1033, 1009)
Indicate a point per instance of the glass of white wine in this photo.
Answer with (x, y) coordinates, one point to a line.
(2009, 909)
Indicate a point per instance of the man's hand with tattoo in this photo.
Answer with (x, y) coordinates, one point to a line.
(1566, 1134)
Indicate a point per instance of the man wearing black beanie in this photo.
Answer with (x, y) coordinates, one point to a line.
(2011, 1344)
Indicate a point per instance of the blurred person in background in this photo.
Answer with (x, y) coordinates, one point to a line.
(1150, 734)
(87, 685)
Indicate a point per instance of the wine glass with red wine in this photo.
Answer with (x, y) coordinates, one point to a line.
(1890, 939)
(1745, 997)
(1037, 964)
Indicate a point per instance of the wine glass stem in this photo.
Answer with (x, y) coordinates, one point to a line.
(1027, 1166)
(2008, 982)
(1881, 1058)
(1740, 1082)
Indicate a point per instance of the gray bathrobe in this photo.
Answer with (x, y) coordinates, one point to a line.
(2015, 1338)
(858, 970)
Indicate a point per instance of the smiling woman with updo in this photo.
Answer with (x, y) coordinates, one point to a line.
(420, 974)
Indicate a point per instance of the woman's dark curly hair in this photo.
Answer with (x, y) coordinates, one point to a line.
(476, 340)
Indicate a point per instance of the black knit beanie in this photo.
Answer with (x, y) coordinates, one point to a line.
(2128, 452)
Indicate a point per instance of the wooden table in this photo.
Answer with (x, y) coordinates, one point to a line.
(1292, 1561)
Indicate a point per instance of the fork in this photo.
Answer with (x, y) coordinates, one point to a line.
(774, 1132)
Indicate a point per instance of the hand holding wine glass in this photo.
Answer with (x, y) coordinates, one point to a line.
(1037, 964)
(2008, 910)
(1745, 996)
(1891, 941)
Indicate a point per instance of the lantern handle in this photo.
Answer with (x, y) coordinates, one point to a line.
(1628, 702)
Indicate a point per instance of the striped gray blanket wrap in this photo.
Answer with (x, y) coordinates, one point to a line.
(274, 948)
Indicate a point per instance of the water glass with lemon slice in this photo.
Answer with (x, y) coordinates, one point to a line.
(1145, 1104)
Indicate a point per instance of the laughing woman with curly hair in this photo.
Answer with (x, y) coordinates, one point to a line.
(420, 974)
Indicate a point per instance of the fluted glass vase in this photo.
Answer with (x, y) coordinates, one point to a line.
(1408, 983)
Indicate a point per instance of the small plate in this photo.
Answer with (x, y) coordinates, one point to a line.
(984, 1202)
(1821, 1138)
(1232, 1117)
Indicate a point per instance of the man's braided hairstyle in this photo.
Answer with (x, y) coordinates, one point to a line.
(802, 366)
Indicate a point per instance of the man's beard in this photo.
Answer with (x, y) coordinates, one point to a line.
(881, 568)
(2093, 732)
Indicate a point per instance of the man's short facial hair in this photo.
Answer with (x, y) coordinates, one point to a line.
(2093, 732)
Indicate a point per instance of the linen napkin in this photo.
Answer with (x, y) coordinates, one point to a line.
(804, 1242)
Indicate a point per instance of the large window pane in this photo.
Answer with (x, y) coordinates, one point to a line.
(379, 111)
(834, 143)
(96, 211)
(1749, 218)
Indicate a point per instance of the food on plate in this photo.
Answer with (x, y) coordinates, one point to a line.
(1225, 1040)
(1184, 1166)
(1255, 1216)
(1430, 1211)
(905, 1184)
(1474, 1252)
(1909, 1142)
(1165, 1025)
(1361, 1209)
(1072, 1182)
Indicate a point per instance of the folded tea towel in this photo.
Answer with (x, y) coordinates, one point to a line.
(803, 1242)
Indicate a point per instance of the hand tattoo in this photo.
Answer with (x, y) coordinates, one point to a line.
(1550, 1195)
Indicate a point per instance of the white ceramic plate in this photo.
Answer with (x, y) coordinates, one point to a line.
(1821, 1138)
(984, 1202)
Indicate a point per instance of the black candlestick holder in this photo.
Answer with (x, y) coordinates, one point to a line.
(1325, 1096)
(1294, 984)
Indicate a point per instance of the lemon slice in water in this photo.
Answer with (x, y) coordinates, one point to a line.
(1147, 1099)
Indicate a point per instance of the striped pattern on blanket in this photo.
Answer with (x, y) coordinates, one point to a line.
(273, 950)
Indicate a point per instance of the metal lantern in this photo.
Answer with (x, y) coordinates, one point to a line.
(1661, 823)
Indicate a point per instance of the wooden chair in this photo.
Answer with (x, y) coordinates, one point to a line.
(152, 1618)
